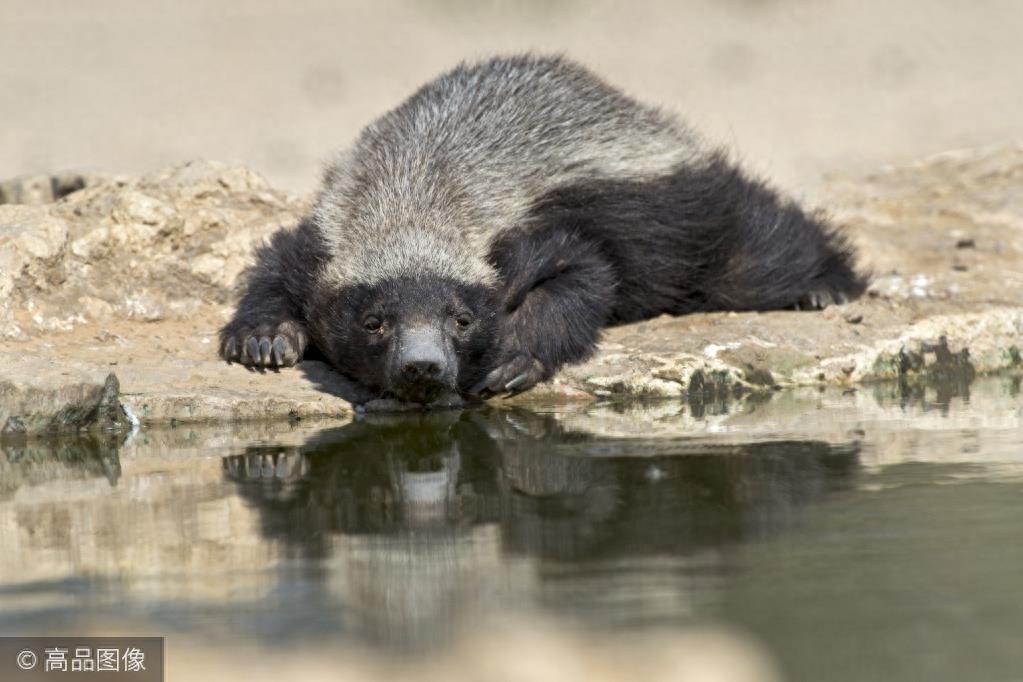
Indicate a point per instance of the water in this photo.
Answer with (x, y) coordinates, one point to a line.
(861, 536)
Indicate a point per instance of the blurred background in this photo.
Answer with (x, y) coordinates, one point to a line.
(796, 88)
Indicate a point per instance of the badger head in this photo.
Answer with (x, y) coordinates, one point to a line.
(408, 301)
(414, 338)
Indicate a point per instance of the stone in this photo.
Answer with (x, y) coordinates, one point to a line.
(149, 246)
(49, 399)
(95, 309)
(29, 238)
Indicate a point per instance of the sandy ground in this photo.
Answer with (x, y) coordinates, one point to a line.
(797, 88)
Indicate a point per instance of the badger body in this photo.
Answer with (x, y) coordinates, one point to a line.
(480, 235)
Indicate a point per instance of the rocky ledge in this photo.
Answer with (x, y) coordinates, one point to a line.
(112, 290)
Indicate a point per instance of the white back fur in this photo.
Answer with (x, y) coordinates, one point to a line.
(428, 186)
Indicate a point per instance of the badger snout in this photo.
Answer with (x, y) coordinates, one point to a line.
(424, 366)
(422, 370)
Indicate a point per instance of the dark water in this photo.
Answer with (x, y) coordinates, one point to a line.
(856, 537)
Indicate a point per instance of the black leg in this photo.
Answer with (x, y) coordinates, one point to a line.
(778, 255)
(706, 237)
(559, 292)
(268, 328)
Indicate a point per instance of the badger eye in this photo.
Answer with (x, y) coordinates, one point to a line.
(463, 320)
(372, 323)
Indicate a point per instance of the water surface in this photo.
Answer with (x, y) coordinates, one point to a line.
(861, 536)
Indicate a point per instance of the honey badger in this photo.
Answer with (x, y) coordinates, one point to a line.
(479, 236)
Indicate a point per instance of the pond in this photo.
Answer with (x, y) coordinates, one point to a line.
(865, 535)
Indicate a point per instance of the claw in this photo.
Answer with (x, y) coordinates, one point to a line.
(517, 381)
(264, 351)
(515, 376)
(288, 356)
(251, 351)
(265, 345)
(488, 382)
(279, 350)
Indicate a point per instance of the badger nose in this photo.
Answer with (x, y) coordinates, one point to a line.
(414, 370)
(422, 357)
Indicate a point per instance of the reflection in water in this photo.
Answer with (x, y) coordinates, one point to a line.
(79, 456)
(862, 535)
(428, 520)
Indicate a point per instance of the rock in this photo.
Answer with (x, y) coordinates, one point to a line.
(95, 309)
(135, 207)
(147, 247)
(28, 238)
(46, 398)
(31, 241)
(136, 275)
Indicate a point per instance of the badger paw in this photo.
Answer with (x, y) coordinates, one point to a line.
(265, 345)
(819, 299)
(518, 374)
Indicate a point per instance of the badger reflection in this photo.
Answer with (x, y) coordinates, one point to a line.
(424, 521)
(430, 473)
